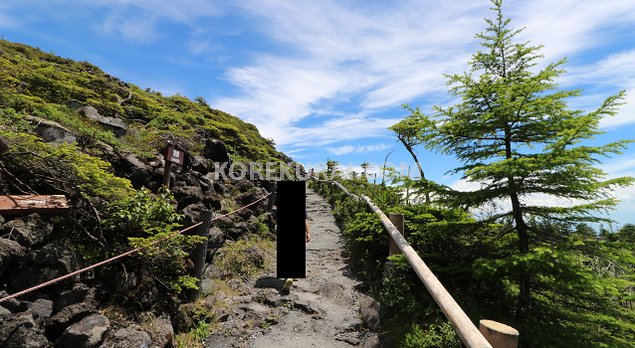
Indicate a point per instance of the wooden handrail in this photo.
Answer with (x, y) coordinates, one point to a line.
(461, 323)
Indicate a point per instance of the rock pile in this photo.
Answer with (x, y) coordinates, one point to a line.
(76, 313)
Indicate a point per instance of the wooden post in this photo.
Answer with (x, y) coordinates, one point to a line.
(312, 176)
(167, 170)
(499, 335)
(398, 221)
(199, 253)
(171, 155)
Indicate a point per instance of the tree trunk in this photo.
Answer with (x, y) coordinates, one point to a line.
(414, 156)
(522, 229)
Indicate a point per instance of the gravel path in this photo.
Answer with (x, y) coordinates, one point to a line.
(321, 310)
(328, 290)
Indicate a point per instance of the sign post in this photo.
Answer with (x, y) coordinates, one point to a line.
(175, 156)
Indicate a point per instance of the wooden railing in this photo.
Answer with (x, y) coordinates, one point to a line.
(491, 333)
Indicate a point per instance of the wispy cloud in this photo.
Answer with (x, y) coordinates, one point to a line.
(343, 150)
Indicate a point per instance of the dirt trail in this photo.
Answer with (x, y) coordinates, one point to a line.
(322, 310)
(328, 290)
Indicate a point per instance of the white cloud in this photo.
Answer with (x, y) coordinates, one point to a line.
(566, 27)
(343, 150)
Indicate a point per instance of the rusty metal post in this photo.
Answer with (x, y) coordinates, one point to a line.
(398, 221)
(199, 253)
(272, 198)
(499, 335)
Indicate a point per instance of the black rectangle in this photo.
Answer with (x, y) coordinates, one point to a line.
(291, 242)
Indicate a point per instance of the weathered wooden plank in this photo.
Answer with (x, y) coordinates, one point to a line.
(25, 204)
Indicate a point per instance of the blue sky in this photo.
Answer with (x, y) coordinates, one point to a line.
(326, 78)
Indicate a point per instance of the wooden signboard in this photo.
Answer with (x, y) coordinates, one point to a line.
(175, 156)
(13, 205)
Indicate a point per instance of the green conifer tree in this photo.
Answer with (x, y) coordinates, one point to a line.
(516, 136)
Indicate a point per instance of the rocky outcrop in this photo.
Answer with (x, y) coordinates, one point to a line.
(116, 125)
(51, 131)
(87, 333)
(28, 230)
(128, 337)
(46, 263)
(10, 253)
(216, 151)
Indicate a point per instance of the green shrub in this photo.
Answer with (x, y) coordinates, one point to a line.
(436, 336)
(150, 220)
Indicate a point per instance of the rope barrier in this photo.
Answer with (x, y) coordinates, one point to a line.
(117, 257)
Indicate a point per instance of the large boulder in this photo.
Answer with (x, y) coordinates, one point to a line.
(29, 230)
(10, 252)
(216, 151)
(87, 333)
(41, 308)
(51, 131)
(128, 337)
(370, 314)
(80, 293)
(200, 164)
(14, 305)
(187, 195)
(9, 323)
(116, 125)
(159, 327)
(251, 196)
(70, 315)
(49, 262)
(134, 169)
(26, 337)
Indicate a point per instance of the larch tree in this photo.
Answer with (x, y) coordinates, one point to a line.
(517, 138)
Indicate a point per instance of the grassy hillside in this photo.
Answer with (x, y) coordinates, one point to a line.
(36, 83)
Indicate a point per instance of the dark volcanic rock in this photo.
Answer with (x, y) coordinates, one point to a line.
(128, 337)
(238, 230)
(216, 237)
(88, 333)
(51, 261)
(28, 230)
(216, 151)
(186, 195)
(9, 323)
(255, 194)
(10, 252)
(134, 169)
(212, 200)
(370, 314)
(80, 293)
(55, 325)
(189, 178)
(200, 164)
(41, 308)
(26, 337)
(14, 305)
